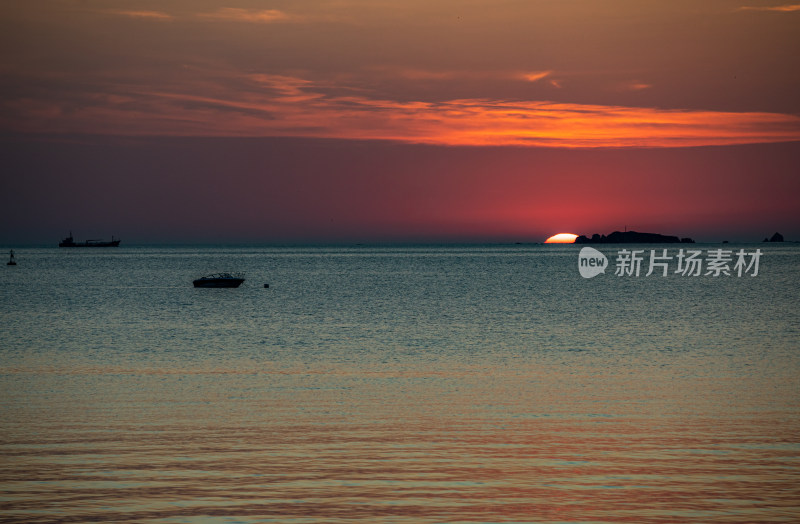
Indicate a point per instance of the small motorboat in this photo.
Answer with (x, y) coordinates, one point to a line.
(220, 280)
(11, 261)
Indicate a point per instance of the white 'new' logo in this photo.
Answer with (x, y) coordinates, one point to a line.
(591, 262)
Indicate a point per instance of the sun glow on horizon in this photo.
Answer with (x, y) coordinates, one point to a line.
(561, 238)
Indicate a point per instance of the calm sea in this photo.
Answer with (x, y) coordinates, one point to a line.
(396, 384)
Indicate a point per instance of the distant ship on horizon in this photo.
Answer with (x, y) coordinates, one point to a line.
(70, 242)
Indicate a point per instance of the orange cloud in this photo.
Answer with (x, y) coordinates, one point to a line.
(448, 74)
(536, 75)
(285, 89)
(149, 15)
(277, 105)
(235, 14)
(780, 8)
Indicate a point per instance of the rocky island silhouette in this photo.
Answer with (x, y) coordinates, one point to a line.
(777, 237)
(632, 237)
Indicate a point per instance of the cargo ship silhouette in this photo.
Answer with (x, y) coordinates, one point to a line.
(70, 242)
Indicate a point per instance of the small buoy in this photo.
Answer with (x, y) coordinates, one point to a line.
(266, 285)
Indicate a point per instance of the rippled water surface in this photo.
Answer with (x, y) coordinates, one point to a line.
(426, 384)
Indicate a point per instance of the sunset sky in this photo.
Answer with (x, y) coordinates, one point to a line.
(344, 120)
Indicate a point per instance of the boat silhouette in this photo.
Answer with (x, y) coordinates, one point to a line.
(70, 242)
(220, 280)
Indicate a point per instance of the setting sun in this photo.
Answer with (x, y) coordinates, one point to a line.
(561, 238)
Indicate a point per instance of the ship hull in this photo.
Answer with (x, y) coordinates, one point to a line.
(218, 282)
(113, 243)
